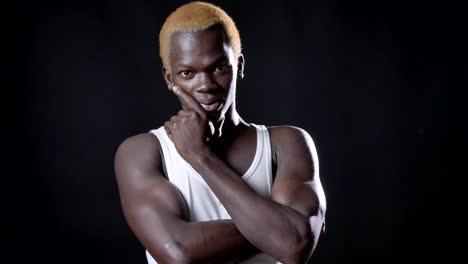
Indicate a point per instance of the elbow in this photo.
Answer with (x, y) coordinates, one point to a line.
(299, 253)
(305, 241)
(175, 252)
(300, 247)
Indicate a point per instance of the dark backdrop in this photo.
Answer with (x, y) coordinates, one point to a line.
(367, 79)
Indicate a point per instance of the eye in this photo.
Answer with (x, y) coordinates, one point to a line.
(186, 73)
(223, 67)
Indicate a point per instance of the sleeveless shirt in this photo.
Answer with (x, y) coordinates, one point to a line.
(202, 203)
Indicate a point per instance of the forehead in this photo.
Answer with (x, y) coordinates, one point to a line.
(199, 47)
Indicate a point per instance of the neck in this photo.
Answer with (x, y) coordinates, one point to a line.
(226, 124)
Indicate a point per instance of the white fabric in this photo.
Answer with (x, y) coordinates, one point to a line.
(202, 203)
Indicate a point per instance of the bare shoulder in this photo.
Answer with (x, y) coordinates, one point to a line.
(141, 142)
(290, 138)
(288, 131)
(139, 152)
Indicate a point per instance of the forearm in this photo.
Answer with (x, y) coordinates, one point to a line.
(272, 227)
(217, 241)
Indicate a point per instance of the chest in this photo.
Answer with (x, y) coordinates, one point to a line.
(240, 152)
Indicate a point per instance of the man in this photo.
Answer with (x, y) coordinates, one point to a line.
(207, 187)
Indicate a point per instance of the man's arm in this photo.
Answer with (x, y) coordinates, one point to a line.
(286, 227)
(155, 211)
(297, 184)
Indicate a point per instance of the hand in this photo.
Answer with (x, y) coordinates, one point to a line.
(188, 129)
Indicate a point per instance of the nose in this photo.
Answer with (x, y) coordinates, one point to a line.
(206, 83)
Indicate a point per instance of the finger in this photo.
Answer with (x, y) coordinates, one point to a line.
(185, 113)
(167, 127)
(175, 118)
(188, 102)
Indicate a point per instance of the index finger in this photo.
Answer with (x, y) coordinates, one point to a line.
(188, 102)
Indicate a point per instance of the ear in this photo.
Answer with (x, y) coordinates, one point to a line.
(167, 77)
(240, 66)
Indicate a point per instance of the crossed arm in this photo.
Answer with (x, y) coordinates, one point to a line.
(156, 213)
(287, 226)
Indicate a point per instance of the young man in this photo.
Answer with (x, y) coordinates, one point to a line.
(207, 187)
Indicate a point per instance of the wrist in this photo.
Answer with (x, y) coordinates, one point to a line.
(199, 156)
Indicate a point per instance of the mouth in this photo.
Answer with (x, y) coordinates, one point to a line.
(211, 104)
(215, 106)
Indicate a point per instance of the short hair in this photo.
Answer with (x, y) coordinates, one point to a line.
(194, 17)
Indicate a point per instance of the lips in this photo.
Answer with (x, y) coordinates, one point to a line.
(211, 105)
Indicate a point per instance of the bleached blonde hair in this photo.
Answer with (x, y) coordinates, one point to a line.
(194, 17)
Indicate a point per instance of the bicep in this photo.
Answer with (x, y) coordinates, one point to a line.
(297, 181)
(153, 208)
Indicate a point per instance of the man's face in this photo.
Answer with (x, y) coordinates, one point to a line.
(203, 65)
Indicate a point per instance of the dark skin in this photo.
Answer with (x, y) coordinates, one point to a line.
(210, 135)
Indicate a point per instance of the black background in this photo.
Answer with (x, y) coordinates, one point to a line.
(367, 79)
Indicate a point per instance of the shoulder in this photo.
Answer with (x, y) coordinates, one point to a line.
(290, 136)
(288, 131)
(141, 143)
(137, 152)
(291, 142)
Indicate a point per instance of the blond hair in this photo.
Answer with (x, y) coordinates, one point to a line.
(194, 17)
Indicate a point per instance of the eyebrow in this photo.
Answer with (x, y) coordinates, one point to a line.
(220, 59)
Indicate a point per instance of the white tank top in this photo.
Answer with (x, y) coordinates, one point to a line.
(202, 203)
